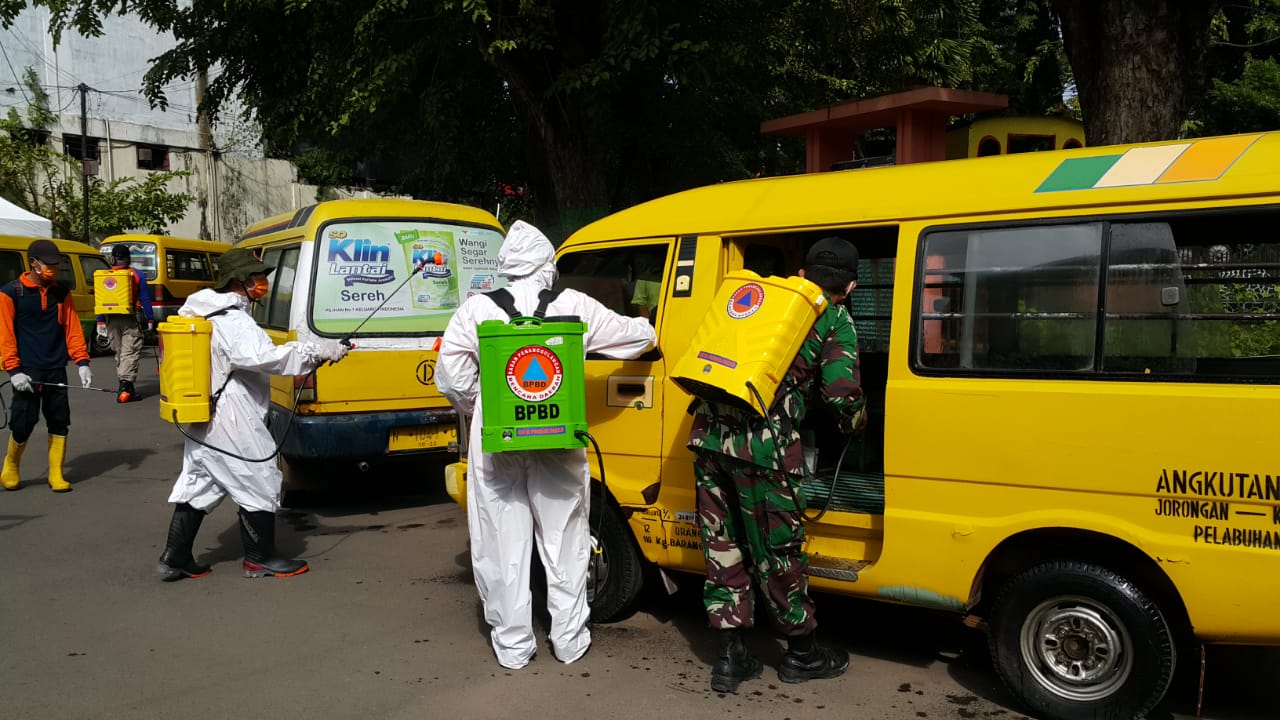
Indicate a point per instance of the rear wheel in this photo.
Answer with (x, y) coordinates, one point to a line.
(615, 574)
(1075, 641)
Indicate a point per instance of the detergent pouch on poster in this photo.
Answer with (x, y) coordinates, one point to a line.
(113, 292)
(749, 339)
(185, 374)
(435, 286)
(531, 380)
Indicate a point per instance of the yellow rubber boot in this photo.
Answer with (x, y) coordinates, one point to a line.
(9, 475)
(57, 451)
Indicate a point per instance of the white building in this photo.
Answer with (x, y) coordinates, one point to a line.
(233, 185)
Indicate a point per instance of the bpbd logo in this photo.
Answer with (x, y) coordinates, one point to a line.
(433, 261)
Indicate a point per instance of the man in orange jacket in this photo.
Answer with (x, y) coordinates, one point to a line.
(39, 333)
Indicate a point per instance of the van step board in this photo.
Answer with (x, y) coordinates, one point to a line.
(836, 569)
(853, 492)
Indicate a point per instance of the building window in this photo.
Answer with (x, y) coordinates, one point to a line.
(82, 149)
(34, 137)
(153, 157)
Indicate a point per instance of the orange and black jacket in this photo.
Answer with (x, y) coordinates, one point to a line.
(39, 328)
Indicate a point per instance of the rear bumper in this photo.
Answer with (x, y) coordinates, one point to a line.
(349, 435)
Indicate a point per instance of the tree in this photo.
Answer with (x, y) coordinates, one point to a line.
(592, 105)
(1138, 64)
(35, 177)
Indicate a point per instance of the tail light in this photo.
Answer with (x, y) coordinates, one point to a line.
(307, 384)
(157, 292)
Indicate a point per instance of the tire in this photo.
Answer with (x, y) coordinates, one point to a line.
(1075, 641)
(615, 575)
(99, 346)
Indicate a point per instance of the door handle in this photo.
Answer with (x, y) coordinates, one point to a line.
(630, 391)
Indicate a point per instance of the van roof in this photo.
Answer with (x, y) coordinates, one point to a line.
(16, 242)
(1235, 166)
(179, 243)
(369, 208)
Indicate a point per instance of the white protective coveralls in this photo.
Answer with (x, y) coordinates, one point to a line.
(239, 420)
(513, 497)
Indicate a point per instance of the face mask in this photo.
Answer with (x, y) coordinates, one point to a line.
(257, 288)
(46, 273)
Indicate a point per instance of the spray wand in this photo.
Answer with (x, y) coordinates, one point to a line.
(72, 387)
(293, 412)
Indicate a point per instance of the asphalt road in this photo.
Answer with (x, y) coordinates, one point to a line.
(387, 623)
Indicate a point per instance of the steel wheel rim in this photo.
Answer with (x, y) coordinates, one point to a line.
(597, 569)
(1076, 648)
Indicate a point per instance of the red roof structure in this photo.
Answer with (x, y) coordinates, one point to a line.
(919, 116)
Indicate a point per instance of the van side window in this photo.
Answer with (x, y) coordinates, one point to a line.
(627, 280)
(89, 264)
(1196, 296)
(188, 266)
(1020, 299)
(66, 275)
(282, 289)
(11, 266)
(260, 310)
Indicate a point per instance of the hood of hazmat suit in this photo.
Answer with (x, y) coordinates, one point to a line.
(506, 491)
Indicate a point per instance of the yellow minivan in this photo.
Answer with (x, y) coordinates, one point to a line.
(343, 270)
(1072, 361)
(79, 262)
(174, 267)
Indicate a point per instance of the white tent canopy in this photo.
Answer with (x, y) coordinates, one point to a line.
(16, 221)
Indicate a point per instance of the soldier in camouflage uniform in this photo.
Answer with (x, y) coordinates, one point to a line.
(751, 509)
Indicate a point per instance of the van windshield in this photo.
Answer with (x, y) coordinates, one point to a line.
(362, 264)
(142, 256)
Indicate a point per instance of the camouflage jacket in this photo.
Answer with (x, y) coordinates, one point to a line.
(825, 368)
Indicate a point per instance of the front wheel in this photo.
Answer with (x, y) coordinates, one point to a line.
(614, 576)
(1075, 641)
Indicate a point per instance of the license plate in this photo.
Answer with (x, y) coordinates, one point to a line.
(422, 437)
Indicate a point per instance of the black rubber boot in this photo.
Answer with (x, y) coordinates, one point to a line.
(177, 562)
(126, 392)
(258, 533)
(806, 659)
(736, 663)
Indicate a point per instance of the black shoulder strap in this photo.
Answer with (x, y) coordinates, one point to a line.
(545, 298)
(213, 399)
(503, 299)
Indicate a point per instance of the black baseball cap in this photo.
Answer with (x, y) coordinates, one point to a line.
(835, 253)
(44, 251)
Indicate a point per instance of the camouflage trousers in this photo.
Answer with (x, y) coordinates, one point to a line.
(752, 538)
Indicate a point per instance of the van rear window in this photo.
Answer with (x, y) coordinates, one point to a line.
(361, 265)
(142, 256)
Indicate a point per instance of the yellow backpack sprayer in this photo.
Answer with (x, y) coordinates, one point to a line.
(742, 350)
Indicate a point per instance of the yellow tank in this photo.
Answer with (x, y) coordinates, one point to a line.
(749, 338)
(185, 375)
(113, 292)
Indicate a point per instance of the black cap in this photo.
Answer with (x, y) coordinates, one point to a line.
(44, 251)
(835, 253)
(120, 251)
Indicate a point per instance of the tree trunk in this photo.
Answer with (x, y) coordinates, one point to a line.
(1137, 64)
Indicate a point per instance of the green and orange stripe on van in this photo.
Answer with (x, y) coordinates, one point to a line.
(1192, 161)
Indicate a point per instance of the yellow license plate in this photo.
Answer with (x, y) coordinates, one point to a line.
(422, 437)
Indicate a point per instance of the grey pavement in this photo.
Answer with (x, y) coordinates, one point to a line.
(387, 624)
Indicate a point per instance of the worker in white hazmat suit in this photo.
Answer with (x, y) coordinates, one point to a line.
(514, 498)
(242, 359)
